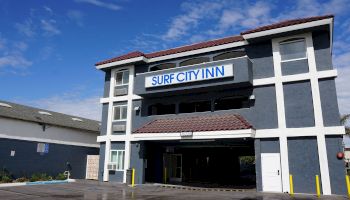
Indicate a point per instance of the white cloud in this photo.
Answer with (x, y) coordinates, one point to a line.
(88, 107)
(76, 16)
(27, 28)
(49, 27)
(14, 61)
(194, 13)
(101, 4)
(343, 89)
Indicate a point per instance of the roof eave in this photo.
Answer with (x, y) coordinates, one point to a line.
(171, 56)
(123, 62)
(305, 25)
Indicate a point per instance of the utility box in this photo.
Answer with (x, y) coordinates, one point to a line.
(128, 176)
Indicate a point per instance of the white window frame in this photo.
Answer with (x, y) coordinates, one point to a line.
(291, 40)
(121, 112)
(116, 163)
(115, 77)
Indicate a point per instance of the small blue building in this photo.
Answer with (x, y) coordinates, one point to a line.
(34, 140)
(242, 111)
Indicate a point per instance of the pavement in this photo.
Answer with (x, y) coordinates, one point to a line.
(93, 190)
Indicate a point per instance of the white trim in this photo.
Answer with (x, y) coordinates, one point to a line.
(130, 111)
(299, 132)
(119, 98)
(172, 56)
(249, 133)
(321, 141)
(294, 59)
(122, 62)
(105, 166)
(288, 28)
(281, 114)
(296, 77)
(34, 139)
(260, 133)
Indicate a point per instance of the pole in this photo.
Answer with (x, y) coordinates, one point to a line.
(133, 177)
(318, 190)
(291, 185)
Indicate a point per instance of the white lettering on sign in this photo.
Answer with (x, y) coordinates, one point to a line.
(191, 75)
(186, 134)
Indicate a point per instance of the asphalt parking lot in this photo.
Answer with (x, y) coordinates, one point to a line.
(94, 191)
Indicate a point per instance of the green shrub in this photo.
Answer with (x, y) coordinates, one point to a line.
(22, 179)
(60, 176)
(5, 176)
(40, 177)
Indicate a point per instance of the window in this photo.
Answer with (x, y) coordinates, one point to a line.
(228, 103)
(200, 106)
(194, 61)
(122, 77)
(162, 66)
(161, 109)
(120, 112)
(293, 49)
(117, 157)
(42, 148)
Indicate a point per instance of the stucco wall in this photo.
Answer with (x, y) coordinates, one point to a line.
(27, 160)
(23, 130)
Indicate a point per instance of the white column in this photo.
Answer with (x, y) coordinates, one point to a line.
(128, 131)
(105, 167)
(316, 98)
(281, 116)
(109, 128)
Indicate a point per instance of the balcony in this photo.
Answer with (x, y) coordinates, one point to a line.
(208, 76)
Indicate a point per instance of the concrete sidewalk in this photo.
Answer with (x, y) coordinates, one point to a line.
(93, 190)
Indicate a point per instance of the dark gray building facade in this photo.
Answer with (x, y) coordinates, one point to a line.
(242, 111)
(34, 140)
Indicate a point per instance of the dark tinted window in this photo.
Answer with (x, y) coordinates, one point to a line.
(228, 103)
(194, 61)
(161, 109)
(227, 55)
(163, 66)
(200, 106)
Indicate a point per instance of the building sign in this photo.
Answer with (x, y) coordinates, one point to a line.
(190, 75)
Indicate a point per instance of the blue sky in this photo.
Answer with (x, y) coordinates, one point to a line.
(48, 48)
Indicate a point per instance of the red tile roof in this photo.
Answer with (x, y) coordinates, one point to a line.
(287, 23)
(195, 124)
(133, 54)
(216, 42)
(201, 45)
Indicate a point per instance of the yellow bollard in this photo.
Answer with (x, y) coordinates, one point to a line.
(133, 177)
(164, 175)
(291, 185)
(318, 190)
(348, 184)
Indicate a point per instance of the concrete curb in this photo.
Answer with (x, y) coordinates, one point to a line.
(169, 186)
(36, 183)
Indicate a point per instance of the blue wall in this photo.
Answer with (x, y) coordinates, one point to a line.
(298, 104)
(27, 161)
(336, 166)
(303, 163)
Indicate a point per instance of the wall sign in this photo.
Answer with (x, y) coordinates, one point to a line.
(190, 75)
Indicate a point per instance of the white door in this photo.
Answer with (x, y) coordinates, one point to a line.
(92, 163)
(271, 172)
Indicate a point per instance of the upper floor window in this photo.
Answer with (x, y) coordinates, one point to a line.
(162, 66)
(117, 158)
(199, 106)
(231, 102)
(120, 112)
(293, 49)
(194, 61)
(122, 77)
(161, 109)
